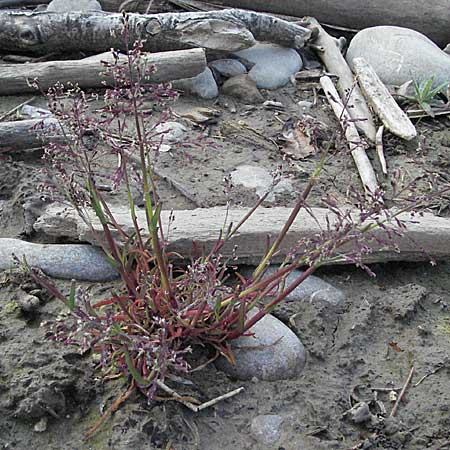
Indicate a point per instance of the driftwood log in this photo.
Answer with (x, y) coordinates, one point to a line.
(107, 5)
(229, 30)
(350, 93)
(354, 141)
(28, 134)
(90, 72)
(431, 18)
(425, 236)
(382, 102)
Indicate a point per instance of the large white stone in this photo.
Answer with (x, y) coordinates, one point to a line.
(399, 55)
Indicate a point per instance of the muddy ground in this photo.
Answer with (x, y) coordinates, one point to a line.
(387, 325)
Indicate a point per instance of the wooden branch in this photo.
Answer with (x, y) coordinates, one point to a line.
(349, 91)
(28, 134)
(382, 102)
(380, 149)
(355, 144)
(430, 233)
(431, 18)
(228, 30)
(90, 72)
(402, 393)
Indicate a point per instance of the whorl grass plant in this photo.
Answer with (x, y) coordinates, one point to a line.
(145, 330)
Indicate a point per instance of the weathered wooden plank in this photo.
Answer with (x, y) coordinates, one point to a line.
(425, 236)
(90, 72)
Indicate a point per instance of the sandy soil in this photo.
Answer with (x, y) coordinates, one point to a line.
(387, 324)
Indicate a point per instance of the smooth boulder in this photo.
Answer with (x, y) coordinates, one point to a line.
(399, 55)
(312, 289)
(69, 261)
(272, 353)
(273, 65)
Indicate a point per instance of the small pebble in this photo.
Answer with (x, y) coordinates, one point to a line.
(266, 429)
(41, 426)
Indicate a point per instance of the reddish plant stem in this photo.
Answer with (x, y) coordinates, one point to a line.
(261, 313)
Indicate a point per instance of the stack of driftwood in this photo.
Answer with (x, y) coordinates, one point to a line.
(176, 45)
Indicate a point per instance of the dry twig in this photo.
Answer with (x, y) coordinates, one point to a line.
(190, 405)
(402, 393)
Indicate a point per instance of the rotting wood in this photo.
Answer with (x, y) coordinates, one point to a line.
(425, 236)
(28, 134)
(382, 102)
(431, 18)
(90, 72)
(355, 143)
(227, 30)
(335, 63)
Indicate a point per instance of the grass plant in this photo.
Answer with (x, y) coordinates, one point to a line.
(145, 330)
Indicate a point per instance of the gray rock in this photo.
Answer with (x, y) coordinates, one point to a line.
(273, 64)
(313, 289)
(244, 88)
(360, 413)
(203, 85)
(77, 261)
(259, 179)
(309, 59)
(171, 133)
(228, 68)
(400, 54)
(27, 302)
(273, 353)
(305, 106)
(73, 5)
(266, 429)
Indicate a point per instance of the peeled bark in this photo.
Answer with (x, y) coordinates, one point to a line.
(350, 93)
(431, 18)
(355, 144)
(90, 72)
(228, 30)
(382, 102)
(425, 236)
